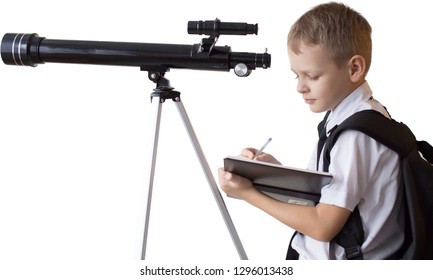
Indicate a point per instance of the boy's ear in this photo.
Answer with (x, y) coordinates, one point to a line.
(357, 68)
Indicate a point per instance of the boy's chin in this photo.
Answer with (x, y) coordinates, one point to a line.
(316, 109)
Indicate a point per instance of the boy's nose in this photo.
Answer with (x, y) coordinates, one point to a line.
(301, 88)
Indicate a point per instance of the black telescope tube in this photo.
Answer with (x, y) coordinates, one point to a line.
(31, 50)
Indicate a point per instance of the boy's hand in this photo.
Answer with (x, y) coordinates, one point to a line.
(251, 154)
(235, 185)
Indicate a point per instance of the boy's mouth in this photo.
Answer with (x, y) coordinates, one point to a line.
(309, 101)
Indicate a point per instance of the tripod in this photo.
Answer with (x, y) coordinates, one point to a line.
(162, 92)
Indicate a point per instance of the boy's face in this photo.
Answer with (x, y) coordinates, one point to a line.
(321, 82)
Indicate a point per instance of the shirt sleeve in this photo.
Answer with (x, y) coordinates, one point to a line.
(352, 164)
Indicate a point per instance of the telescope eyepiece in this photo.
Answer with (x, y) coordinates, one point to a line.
(216, 28)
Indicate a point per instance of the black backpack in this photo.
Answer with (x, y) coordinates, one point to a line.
(417, 182)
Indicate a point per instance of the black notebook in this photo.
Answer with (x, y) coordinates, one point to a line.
(288, 184)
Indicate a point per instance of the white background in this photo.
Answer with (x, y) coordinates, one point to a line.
(74, 139)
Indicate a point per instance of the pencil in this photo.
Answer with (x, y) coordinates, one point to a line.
(259, 152)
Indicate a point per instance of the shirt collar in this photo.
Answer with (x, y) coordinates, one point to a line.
(356, 101)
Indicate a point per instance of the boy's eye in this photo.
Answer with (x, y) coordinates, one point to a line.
(309, 77)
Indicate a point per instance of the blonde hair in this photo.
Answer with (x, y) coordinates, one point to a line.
(340, 30)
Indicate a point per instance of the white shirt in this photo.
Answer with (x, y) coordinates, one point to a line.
(365, 173)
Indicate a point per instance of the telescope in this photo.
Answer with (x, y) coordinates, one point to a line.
(31, 50)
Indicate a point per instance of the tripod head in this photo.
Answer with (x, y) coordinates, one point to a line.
(31, 50)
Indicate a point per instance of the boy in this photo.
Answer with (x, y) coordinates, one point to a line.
(330, 52)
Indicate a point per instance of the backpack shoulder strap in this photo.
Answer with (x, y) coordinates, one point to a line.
(396, 136)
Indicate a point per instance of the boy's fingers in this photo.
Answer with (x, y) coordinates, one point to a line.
(248, 153)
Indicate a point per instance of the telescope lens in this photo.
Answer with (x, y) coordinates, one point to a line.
(17, 49)
(216, 27)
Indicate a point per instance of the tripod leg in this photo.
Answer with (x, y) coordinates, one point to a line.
(151, 170)
(211, 181)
